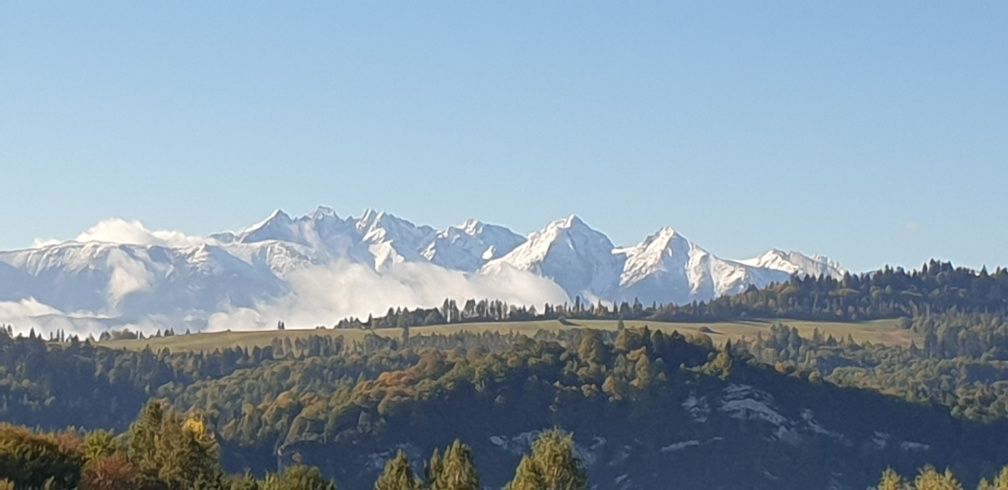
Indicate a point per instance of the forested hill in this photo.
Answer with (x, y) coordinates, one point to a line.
(645, 407)
(938, 287)
(780, 408)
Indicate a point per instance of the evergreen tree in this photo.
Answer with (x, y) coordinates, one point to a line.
(930, 479)
(298, 478)
(187, 454)
(180, 453)
(527, 476)
(456, 471)
(143, 435)
(551, 466)
(98, 445)
(891, 481)
(243, 482)
(721, 365)
(1000, 482)
(398, 475)
(432, 467)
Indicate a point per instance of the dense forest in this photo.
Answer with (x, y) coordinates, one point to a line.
(644, 407)
(164, 450)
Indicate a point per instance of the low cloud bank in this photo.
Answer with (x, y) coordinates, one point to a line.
(320, 295)
(324, 295)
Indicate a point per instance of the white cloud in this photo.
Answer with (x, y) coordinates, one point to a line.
(319, 295)
(911, 227)
(44, 242)
(25, 308)
(129, 275)
(133, 232)
(324, 295)
(29, 313)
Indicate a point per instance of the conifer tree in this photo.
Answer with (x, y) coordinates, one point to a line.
(456, 471)
(188, 454)
(432, 467)
(527, 476)
(891, 481)
(930, 479)
(246, 481)
(298, 478)
(551, 466)
(180, 453)
(143, 436)
(98, 445)
(1000, 482)
(721, 365)
(398, 475)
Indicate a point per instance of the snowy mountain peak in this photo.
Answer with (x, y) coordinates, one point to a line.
(277, 226)
(470, 245)
(793, 262)
(278, 215)
(571, 253)
(324, 212)
(369, 218)
(665, 237)
(665, 263)
(472, 226)
(120, 270)
(387, 223)
(570, 221)
(664, 241)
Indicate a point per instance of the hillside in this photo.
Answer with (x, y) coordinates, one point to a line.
(885, 332)
(645, 407)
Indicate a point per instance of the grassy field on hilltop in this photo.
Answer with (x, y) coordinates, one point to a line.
(878, 331)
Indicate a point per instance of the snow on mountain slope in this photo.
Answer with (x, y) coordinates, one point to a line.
(665, 267)
(120, 273)
(470, 245)
(668, 267)
(133, 280)
(572, 254)
(796, 263)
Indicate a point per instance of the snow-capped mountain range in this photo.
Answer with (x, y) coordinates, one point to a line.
(120, 273)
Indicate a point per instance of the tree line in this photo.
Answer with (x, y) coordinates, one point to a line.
(937, 287)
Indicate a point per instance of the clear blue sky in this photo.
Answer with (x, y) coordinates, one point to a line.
(873, 132)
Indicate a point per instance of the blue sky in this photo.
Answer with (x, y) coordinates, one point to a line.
(873, 132)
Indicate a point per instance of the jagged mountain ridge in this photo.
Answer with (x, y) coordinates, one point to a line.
(666, 267)
(188, 280)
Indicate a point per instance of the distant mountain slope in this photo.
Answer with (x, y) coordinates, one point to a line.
(668, 266)
(665, 268)
(144, 278)
(572, 254)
